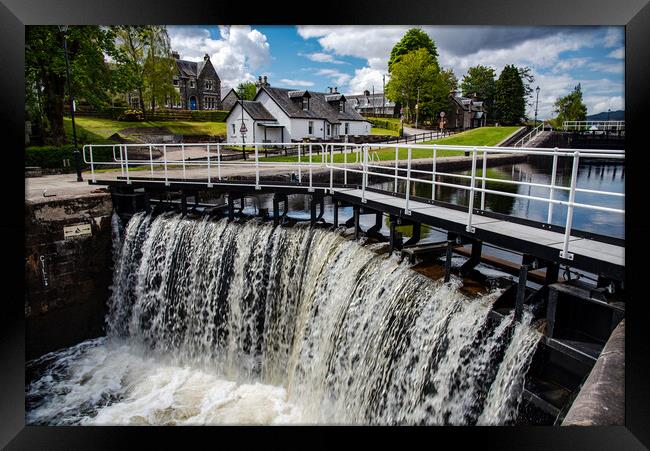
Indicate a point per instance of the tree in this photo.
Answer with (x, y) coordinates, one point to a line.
(414, 39)
(509, 97)
(45, 73)
(417, 70)
(444, 83)
(148, 64)
(481, 80)
(527, 79)
(246, 90)
(571, 107)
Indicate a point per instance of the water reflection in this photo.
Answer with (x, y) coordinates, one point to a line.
(591, 175)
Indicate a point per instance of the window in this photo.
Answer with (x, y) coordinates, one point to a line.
(175, 81)
(305, 104)
(328, 129)
(311, 128)
(192, 83)
(233, 130)
(347, 128)
(208, 85)
(210, 102)
(341, 106)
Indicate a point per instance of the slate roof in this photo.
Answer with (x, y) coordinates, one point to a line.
(468, 104)
(319, 108)
(190, 68)
(257, 111)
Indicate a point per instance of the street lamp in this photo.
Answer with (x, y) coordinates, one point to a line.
(77, 163)
(609, 110)
(536, 103)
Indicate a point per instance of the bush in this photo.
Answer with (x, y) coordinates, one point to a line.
(386, 124)
(53, 156)
(130, 115)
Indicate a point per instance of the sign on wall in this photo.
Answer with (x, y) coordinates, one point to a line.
(77, 230)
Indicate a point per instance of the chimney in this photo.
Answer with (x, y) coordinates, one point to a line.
(206, 57)
(330, 88)
(336, 89)
(266, 83)
(175, 55)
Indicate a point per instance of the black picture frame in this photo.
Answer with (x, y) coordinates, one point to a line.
(633, 14)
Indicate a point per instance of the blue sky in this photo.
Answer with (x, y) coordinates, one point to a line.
(354, 58)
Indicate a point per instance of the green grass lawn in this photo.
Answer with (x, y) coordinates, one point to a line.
(96, 130)
(484, 136)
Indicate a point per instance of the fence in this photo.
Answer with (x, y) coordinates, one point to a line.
(359, 159)
(593, 125)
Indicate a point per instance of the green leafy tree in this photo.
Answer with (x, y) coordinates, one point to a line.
(438, 100)
(571, 107)
(45, 73)
(414, 39)
(246, 90)
(481, 80)
(510, 97)
(415, 73)
(148, 66)
(159, 68)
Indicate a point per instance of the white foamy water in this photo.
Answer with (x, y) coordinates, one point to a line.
(217, 322)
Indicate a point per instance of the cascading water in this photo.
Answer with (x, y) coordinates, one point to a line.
(214, 322)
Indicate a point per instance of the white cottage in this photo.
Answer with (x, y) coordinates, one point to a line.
(284, 115)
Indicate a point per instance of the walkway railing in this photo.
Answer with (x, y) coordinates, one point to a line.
(530, 136)
(589, 125)
(384, 164)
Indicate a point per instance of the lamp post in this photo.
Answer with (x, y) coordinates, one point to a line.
(536, 103)
(63, 29)
(609, 110)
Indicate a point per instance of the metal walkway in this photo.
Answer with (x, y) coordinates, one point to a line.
(352, 173)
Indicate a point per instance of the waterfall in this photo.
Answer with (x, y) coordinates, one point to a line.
(208, 318)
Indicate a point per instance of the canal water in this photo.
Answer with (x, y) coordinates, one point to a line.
(218, 322)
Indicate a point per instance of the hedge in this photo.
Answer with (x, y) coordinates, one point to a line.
(53, 156)
(383, 123)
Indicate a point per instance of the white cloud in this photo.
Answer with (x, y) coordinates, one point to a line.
(366, 78)
(337, 77)
(239, 51)
(611, 68)
(300, 83)
(613, 37)
(321, 57)
(618, 53)
(599, 104)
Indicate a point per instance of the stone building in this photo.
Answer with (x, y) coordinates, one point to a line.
(197, 83)
(465, 112)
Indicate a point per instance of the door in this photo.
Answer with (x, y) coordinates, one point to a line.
(192, 103)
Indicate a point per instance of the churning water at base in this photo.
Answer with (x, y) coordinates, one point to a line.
(218, 322)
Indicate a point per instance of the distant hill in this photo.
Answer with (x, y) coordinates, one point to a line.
(618, 115)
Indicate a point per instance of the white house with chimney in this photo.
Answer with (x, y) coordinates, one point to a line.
(284, 115)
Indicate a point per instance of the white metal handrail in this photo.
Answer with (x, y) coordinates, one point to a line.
(530, 136)
(587, 125)
(366, 163)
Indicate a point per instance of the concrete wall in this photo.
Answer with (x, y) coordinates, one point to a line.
(67, 279)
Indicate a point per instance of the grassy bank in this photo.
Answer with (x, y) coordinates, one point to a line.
(484, 136)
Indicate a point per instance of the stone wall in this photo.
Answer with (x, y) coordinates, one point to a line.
(66, 279)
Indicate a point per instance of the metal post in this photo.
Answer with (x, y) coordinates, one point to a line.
(433, 173)
(549, 218)
(331, 167)
(363, 173)
(150, 160)
(470, 210)
(71, 96)
(408, 180)
(257, 169)
(396, 167)
(299, 166)
(219, 161)
(183, 157)
(165, 163)
(569, 216)
(336, 213)
(92, 165)
(310, 170)
(209, 179)
(126, 162)
(483, 182)
(356, 222)
(345, 165)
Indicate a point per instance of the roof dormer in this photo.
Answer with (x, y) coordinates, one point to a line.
(300, 96)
